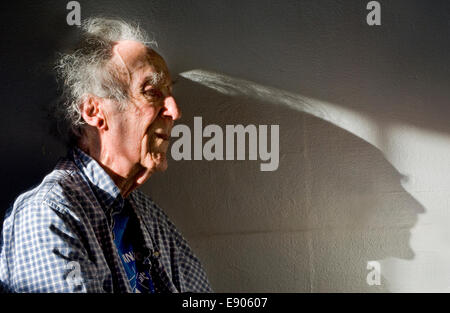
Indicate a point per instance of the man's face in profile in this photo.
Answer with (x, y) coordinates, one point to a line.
(141, 132)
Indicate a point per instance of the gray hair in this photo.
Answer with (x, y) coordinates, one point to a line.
(87, 70)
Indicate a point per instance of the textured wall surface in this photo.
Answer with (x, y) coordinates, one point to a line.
(364, 134)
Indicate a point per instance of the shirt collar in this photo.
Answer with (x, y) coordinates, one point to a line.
(104, 187)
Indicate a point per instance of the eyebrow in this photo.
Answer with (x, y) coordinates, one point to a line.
(156, 79)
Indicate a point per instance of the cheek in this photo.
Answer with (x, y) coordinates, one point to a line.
(132, 136)
(138, 130)
(145, 146)
(147, 120)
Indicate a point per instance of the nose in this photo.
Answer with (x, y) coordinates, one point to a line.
(171, 108)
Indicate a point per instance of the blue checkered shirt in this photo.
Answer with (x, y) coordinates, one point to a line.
(58, 237)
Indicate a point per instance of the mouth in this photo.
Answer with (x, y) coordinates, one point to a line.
(162, 136)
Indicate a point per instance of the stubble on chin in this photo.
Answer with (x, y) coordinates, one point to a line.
(159, 154)
(154, 153)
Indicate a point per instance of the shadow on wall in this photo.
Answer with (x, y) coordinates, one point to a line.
(334, 204)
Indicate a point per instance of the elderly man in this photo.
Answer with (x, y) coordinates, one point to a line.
(86, 228)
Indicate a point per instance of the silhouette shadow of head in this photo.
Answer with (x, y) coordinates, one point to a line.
(334, 203)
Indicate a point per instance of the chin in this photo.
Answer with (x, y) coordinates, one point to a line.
(162, 166)
(160, 162)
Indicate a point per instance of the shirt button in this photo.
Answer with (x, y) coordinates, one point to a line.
(156, 254)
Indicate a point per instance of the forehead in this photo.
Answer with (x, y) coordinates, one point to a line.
(139, 62)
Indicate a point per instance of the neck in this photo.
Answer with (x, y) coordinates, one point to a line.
(118, 168)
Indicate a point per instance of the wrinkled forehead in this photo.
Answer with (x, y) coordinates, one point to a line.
(140, 62)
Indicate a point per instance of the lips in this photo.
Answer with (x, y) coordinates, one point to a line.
(162, 136)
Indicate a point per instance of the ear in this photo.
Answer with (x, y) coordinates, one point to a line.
(92, 113)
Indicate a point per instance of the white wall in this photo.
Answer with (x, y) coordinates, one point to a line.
(364, 146)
